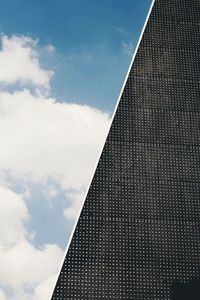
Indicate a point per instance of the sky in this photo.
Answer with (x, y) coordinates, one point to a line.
(62, 66)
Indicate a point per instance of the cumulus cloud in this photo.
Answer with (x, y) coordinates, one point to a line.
(44, 290)
(76, 200)
(19, 62)
(13, 214)
(29, 265)
(23, 267)
(51, 140)
(2, 295)
(44, 142)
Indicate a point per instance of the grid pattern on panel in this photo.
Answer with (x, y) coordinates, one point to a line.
(138, 233)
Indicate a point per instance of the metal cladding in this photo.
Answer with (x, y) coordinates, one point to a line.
(138, 235)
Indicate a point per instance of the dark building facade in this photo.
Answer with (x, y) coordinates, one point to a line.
(138, 235)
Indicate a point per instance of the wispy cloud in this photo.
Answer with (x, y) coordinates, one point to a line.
(50, 49)
(128, 48)
(122, 31)
(80, 56)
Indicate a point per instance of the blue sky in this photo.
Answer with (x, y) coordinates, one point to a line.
(62, 66)
(90, 63)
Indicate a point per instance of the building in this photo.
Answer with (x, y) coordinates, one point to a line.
(138, 235)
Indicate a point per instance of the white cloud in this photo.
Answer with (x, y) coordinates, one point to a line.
(76, 199)
(43, 142)
(128, 48)
(29, 265)
(51, 140)
(19, 62)
(52, 192)
(13, 214)
(2, 295)
(44, 290)
(23, 267)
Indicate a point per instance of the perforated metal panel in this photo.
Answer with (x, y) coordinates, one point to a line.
(138, 234)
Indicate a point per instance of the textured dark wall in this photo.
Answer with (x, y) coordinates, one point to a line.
(138, 234)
